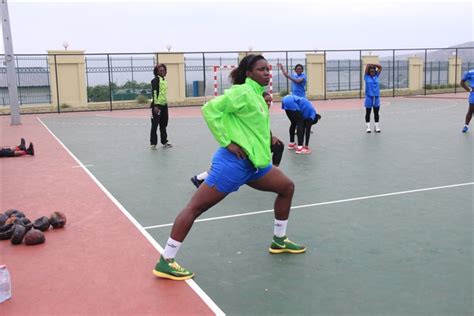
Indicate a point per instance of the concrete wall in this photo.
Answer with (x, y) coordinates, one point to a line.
(415, 73)
(455, 70)
(176, 79)
(71, 77)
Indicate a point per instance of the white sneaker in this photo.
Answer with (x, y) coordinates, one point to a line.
(368, 130)
(153, 147)
(377, 130)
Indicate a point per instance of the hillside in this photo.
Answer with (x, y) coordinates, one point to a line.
(466, 55)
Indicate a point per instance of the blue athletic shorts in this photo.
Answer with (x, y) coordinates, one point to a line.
(471, 98)
(372, 102)
(228, 173)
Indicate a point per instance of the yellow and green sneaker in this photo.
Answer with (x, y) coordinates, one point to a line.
(283, 244)
(170, 269)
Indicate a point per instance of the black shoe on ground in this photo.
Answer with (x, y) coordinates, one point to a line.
(196, 181)
(22, 144)
(30, 150)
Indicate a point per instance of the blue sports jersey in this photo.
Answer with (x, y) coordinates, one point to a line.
(372, 85)
(288, 103)
(469, 76)
(308, 112)
(295, 103)
(298, 89)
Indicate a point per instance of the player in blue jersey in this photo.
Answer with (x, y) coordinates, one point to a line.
(372, 95)
(468, 76)
(298, 80)
(302, 116)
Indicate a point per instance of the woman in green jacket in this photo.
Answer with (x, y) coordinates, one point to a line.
(159, 107)
(239, 121)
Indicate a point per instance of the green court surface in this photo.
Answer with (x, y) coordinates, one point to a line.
(387, 217)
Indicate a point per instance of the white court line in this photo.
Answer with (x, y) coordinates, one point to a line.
(83, 166)
(210, 303)
(323, 203)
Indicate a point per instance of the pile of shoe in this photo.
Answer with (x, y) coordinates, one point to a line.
(15, 226)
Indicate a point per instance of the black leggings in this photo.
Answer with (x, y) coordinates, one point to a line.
(307, 130)
(7, 152)
(297, 123)
(469, 113)
(376, 114)
(162, 120)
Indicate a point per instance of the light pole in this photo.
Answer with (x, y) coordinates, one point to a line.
(10, 65)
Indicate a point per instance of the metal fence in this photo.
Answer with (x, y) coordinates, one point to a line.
(113, 78)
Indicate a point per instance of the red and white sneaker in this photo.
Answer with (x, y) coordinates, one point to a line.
(306, 150)
(291, 146)
(299, 149)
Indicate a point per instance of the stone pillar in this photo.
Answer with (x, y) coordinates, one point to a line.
(175, 76)
(71, 77)
(315, 74)
(453, 76)
(415, 73)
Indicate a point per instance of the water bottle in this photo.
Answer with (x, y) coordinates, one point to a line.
(5, 284)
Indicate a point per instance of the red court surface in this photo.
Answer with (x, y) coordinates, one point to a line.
(100, 263)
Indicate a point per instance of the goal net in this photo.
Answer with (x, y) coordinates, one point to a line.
(217, 80)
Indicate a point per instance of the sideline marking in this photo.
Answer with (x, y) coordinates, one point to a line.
(323, 203)
(83, 166)
(192, 284)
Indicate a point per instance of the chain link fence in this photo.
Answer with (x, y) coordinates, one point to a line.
(115, 81)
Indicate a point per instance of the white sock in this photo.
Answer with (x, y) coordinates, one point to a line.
(202, 176)
(279, 229)
(171, 248)
(377, 125)
(368, 125)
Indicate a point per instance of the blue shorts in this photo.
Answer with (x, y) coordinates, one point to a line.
(471, 98)
(228, 173)
(372, 102)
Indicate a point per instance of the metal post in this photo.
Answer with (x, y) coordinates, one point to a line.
(87, 79)
(49, 83)
(220, 75)
(393, 74)
(57, 80)
(338, 76)
(388, 76)
(287, 81)
(278, 75)
(325, 76)
(439, 73)
(456, 71)
(424, 66)
(15, 118)
(360, 74)
(110, 82)
(131, 65)
(349, 74)
(431, 74)
(204, 73)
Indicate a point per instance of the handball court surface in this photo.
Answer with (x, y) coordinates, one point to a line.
(387, 218)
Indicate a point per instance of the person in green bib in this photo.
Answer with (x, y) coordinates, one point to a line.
(159, 107)
(239, 121)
